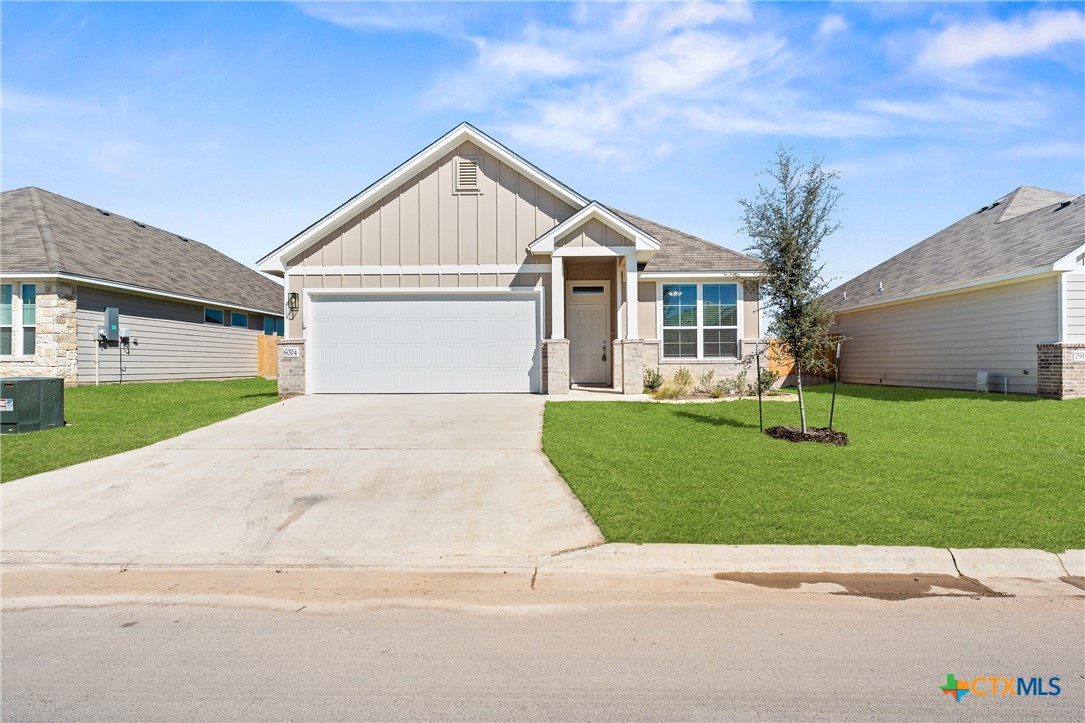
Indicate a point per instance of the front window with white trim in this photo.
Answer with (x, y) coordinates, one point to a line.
(18, 319)
(700, 321)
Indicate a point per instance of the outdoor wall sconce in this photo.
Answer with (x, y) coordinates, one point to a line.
(292, 304)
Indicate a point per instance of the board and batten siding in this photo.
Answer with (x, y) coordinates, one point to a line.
(593, 233)
(1074, 306)
(942, 342)
(425, 222)
(173, 340)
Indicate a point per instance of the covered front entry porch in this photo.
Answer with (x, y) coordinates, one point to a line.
(594, 306)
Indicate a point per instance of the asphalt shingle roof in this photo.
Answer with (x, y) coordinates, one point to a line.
(1025, 229)
(680, 251)
(42, 232)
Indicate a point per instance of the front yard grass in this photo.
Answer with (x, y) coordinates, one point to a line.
(116, 418)
(924, 467)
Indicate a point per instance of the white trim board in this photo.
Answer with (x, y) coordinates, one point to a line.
(690, 275)
(644, 244)
(275, 262)
(390, 269)
(140, 291)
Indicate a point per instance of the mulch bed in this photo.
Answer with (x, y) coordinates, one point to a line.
(813, 434)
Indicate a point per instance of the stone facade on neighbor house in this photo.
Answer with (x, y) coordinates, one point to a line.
(291, 368)
(1061, 370)
(56, 347)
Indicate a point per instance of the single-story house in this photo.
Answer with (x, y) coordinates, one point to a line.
(469, 269)
(1000, 292)
(190, 311)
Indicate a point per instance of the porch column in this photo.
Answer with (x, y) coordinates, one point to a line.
(632, 327)
(557, 298)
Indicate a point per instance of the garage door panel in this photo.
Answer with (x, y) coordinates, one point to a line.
(424, 343)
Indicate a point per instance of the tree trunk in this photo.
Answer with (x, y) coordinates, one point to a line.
(802, 404)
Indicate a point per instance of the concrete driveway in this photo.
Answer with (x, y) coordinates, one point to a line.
(318, 480)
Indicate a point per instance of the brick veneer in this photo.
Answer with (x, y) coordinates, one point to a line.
(555, 366)
(291, 369)
(1058, 375)
(636, 355)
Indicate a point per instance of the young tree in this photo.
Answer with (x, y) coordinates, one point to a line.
(787, 221)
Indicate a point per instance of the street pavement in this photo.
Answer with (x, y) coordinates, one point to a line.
(743, 653)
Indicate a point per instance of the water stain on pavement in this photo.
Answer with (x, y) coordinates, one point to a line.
(1076, 581)
(882, 586)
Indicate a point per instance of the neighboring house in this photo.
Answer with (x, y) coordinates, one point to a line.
(1001, 291)
(192, 313)
(468, 269)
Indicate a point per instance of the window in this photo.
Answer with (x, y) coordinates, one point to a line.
(700, 321)
(274, 326)
(239, 319)
(18, 319)
(213, 316)
(593, 290)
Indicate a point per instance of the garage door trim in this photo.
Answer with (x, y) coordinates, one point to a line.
(307, 309)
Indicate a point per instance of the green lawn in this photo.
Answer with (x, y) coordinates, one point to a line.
(115, 418)
(924, 467)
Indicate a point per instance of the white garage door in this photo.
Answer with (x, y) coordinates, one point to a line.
(424, 342)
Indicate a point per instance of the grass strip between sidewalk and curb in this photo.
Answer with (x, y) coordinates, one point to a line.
(924, 467)
(116, 418)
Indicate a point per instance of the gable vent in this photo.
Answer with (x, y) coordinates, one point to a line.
(466, 175)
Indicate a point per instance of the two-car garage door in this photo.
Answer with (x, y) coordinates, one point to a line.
(424, 342)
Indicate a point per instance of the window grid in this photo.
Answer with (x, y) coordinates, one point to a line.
(18, 319)
(705, 329)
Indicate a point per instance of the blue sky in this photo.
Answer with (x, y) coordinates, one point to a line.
(238, 124)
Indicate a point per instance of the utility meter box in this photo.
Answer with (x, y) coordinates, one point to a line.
(31, 404)
(112, 323)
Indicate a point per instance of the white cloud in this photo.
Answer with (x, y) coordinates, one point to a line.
(1049, 149)
(435, 17)
(692, 60)
(831, 25)
(523, 59)
(700, 14)
(967, 44)
(996, 112)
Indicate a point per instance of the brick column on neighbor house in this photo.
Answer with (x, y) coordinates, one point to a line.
(1060, 370)
(637, 355)
(555, 366)
(291, 367)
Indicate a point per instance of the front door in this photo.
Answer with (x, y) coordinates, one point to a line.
(589, 335)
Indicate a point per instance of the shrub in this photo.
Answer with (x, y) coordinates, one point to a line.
(653, 380)
(727, 385)
(768, 378)
(682, 378)
(704, 381)
(668, 390)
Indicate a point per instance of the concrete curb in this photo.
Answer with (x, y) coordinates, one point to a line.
(1003, 562)
(1074, 562)
(628, 559)
(623, 558)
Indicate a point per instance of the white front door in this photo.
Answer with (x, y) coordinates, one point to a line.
(589, 335)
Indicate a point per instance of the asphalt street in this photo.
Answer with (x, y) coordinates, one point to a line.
(757, 655)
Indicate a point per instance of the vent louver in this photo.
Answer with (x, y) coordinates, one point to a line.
(467, 173)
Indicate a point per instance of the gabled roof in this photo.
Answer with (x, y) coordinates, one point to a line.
(275, 262)
(44, 233)
(683, 253)
(645, 244)
(1030, 230)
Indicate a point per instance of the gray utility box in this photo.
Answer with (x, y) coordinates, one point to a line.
(31, 404)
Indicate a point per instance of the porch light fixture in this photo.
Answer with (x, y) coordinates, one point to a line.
(292, 302)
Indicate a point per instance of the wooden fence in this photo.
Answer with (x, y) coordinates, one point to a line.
(267, 356)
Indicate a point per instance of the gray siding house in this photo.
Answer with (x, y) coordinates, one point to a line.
(1002, 291)
(192, 313)
(468, 269)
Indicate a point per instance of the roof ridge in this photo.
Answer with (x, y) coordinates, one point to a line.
(45, 229)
